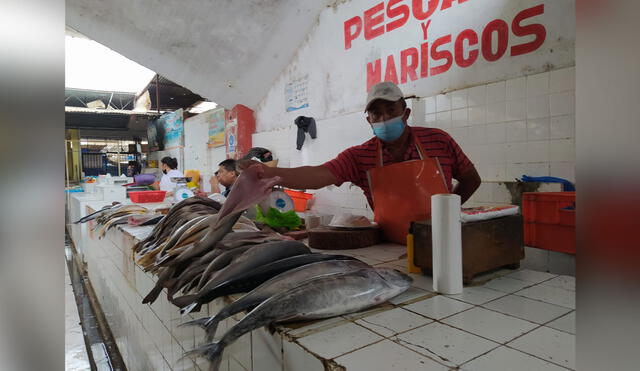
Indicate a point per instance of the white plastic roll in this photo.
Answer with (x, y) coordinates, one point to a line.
(446, 243)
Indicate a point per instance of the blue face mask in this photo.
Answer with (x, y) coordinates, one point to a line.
(389, 130)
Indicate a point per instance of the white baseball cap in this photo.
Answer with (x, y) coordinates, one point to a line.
(384, 90)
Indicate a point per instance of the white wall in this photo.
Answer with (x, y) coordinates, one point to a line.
(512, 117)
(197, 154)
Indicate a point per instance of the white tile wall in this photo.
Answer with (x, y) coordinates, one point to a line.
(477, 115)
(496, 111)
(516, 109)
(477, 96)
(443, 102)
(460, 117)
(562, 127)
(443, 120)
(538, 129)
(562, 103)
(496, 92)
(537, 106)
(538, 84)
(516, 88)
(562, 80)
(430, 105)
(459, 99)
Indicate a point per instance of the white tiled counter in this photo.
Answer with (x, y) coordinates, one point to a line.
(508, 320)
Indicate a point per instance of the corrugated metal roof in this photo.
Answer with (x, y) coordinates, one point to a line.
(103, 111)
(80, 97)
(172, 95)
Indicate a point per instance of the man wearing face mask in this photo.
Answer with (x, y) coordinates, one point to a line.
(394, 142)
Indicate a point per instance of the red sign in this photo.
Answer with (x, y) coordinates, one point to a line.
(432, 58)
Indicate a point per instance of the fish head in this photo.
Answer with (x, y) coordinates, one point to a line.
(395, 278)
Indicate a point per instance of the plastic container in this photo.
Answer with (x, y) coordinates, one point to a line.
(550, 220)
(141, 197)
(299, 199)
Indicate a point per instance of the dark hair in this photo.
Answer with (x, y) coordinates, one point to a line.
(172, 162)
(229, 164)
(260, 153)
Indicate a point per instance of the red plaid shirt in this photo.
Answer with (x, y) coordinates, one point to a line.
(352, 164)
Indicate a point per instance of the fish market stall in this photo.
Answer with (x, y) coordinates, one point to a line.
(394, 335)
(148, 335)
(176, 287)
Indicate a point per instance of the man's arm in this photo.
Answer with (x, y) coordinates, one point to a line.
(468, 182)
(305, 177)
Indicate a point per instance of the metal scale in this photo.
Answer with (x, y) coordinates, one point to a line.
(182, 191)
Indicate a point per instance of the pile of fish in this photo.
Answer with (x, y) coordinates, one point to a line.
(200, 245)
(110, 216)
(313, 291)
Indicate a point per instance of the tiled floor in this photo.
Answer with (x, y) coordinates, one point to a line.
(521, 320)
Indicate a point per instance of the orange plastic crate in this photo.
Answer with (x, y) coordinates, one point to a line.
(299, 199)
(549, 221)
(147, 196)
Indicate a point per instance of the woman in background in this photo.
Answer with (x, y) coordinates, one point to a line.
(169, 166)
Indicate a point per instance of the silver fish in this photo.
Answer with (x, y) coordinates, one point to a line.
(256, 256)
(279, 283)
(321, 297)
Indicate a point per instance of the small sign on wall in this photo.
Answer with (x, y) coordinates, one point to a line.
(215, 118)
(173, 129)
(296, 94)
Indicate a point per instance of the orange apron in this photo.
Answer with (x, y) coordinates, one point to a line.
(402, 192)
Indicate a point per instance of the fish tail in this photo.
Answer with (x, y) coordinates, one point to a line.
(187, 302)
(152, 295)
(211, 327)
(201, 322)
(212, 351)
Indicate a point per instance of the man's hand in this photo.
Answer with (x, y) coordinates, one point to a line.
(214, 184)
(263, 171)
(468, 182)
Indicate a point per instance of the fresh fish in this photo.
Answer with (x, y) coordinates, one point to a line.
(282, 282)
(208, 242)
(222, 261)
(321, 297)
(157, 289)
(245, 224)
(116, 218)
(136, 220)
(248, 280)
(152, 221)
(236, 239)
(175, 213)
(255, 256)
(95, 214)
(175, 236)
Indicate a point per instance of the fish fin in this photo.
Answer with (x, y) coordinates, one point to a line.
(211, 327)
(200, 322)
(212, 351)
(187, 309)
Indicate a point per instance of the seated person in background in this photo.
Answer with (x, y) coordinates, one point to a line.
(226, 175)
